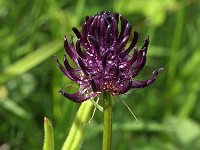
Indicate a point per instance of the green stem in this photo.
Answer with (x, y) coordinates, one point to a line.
(76, 134)
(107, 114)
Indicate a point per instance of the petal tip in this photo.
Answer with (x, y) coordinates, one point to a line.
(158, 70)
(60, 91)
(55, 58)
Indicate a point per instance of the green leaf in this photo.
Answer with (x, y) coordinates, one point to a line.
(30, 61)
(76, 133)
(186, 132)
(48, 135)
(14, 108)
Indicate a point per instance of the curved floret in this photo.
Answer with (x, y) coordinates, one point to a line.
(104, 61)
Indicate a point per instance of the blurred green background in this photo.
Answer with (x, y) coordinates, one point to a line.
(31, 32)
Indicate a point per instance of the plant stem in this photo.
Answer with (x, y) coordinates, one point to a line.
(107, 114)
(76, 134)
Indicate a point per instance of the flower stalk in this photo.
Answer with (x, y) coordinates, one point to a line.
(107, 115)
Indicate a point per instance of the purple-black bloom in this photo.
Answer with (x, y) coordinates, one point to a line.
(104, 62)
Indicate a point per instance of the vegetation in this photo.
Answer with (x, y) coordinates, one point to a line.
(31, 32)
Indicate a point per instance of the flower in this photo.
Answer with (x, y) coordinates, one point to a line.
(104, 63)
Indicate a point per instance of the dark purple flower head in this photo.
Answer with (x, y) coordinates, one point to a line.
(104, 63)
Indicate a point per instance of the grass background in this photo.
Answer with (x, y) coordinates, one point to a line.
(31, 32)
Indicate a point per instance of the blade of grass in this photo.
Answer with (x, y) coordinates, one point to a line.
(14, 108)
(30, 61)
(174, 58)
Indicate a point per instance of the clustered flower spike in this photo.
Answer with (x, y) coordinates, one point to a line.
(104, 63)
